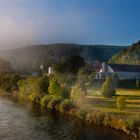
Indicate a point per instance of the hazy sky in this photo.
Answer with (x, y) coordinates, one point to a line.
(24, 22)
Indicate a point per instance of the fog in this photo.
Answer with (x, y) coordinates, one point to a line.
(23, 24)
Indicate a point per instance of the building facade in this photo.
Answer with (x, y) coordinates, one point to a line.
(122, 71)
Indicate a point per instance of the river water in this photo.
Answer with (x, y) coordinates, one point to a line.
(30, 122)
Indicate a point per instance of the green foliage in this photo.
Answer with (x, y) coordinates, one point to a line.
(8, 81)
(66, 105)
(55, 88)
(135, 123)
(66, 93)
(82, 75)
(138, 83)
(45, 100)
(33, 88)
(44, 84)
(107, 88)
(78, 93)
(115, 75)
(95, 117)
(70, 65)
(91, 77)
(81, 114)
(35, 97)
(130, 55)
(120, 101)
(54, 101)
(65, 79)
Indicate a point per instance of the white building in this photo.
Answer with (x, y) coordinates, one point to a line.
(50, 71)
(121, 70)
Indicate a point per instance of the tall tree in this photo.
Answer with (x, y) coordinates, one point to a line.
(107, 88)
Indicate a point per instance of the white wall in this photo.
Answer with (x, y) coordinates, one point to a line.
(128, 75)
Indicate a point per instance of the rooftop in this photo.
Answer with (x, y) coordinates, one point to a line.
(125, 68)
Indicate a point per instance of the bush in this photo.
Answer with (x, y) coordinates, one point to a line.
(54, 101)
(95, 117)
(45, 100)
(108, 89)
(81, 114)
(77, 94)
(8, 81)
(138, 83)
(55, 87)
(32, 86)
(35, 98)
(66, 105)
(120, 101)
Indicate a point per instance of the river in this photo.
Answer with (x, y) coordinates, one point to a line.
(29, 122)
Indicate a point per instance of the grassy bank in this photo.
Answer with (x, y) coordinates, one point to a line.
(126, 122)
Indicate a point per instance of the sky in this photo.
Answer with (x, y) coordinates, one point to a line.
(28, 22)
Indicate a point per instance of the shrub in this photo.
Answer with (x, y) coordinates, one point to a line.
(108, 89)
(66, 105)
(55, 87)
(95, 117)
(35, 98)
(81, 114)
(77, 95)
(137, 83)
(134, 125)
(45, 100)
(54, 101)
(32, 86)
(8, 81)
(120, 101)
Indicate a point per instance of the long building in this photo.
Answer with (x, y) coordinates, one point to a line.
(122, 71)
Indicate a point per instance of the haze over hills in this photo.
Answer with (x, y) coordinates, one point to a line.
(31, 57)
(5, 65)
(130, 55)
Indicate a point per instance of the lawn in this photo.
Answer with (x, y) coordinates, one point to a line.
(95, 100)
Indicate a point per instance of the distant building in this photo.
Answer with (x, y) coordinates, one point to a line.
(41, 67)
(50, 71)
(121, 70)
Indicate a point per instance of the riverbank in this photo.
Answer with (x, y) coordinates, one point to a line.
(128, 123)
(20, 121)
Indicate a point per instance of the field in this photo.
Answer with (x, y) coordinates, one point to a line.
(95, 100)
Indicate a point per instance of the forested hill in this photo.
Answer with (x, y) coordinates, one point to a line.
(129, 55)
(28, 58)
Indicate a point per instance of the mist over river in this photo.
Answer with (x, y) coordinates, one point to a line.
(30, 122)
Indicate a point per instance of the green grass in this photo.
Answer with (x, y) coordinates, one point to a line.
(131, 92)
(95, 100)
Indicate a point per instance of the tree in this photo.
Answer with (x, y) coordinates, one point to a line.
(120, 101)
(54, 87)
(137, 83)
(82, 75)
(115, 75)
(91, 77)
(70, 65)
(44, 84)
(107, 88)
(77, 95)
(33, 88)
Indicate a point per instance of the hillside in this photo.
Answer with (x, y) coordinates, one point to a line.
(29, 58)
(130, 55)
(4, 65)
